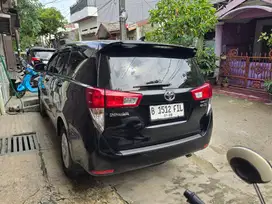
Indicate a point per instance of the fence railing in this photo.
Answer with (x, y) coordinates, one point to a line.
(246, 71)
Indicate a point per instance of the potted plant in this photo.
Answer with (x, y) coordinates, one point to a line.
(268, 88)
(225, 82)
(206, 60)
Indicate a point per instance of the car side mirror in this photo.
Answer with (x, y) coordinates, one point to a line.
(249, 165)
(40, 67)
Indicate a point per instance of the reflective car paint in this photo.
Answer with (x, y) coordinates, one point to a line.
(129, 139)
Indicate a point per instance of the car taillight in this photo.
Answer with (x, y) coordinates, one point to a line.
(102, 172)
(35, 59)
(100, 98)
(202, 92)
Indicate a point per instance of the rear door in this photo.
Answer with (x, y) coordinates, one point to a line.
(167, 110)
(47, 79)
(58, 80)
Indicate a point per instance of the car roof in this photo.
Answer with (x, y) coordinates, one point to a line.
(99, 44)
(42, 48)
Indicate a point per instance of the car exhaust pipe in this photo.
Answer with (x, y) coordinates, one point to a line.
(188, 155)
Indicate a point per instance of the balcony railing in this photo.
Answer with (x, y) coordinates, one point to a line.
(81, 4)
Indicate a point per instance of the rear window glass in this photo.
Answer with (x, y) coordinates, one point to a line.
(43, 54)
(128, 72)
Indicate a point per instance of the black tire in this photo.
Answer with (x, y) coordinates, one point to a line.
(70, 168)
(42, 108)
(20, 94)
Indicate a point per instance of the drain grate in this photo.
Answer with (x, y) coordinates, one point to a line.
(18, 143)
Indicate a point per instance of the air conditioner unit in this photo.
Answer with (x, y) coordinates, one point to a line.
(5, 27)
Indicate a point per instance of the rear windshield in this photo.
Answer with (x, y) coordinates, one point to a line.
(43, 54)
(128, 72)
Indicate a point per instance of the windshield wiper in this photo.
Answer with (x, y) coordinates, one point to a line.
(154, 82)
(152, 85)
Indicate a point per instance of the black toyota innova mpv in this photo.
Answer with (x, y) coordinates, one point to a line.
(123, 105)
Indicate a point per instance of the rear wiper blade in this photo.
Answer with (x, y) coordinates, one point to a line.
(154, 82)
(152, 85)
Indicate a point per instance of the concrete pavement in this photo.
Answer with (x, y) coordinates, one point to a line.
(37, 177)
(236, 122)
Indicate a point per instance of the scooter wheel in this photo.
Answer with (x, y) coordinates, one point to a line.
(20, 94)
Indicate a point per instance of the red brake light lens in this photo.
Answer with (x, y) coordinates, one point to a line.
(116, 99)
(202, 92)
(100, 98)
(35, 59)
(103, 172)
(95, 98)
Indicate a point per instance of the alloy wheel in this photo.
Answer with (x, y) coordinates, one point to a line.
(65, 151)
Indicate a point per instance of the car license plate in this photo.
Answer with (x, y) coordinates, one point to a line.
(167, 111)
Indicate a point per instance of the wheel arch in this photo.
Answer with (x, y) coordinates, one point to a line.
(76, 145)
(61, 123)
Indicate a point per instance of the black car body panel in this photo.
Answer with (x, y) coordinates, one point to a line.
(118, 138)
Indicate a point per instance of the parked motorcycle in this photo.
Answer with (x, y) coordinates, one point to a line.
(249, 166)
(27, 80)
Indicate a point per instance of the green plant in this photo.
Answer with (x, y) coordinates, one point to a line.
(268, 86)
(51, 20)
(30, 24)
(266, 37)
(225, 80)
(181, 21)
(206, 60)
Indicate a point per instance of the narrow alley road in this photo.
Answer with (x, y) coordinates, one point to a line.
(37, 177)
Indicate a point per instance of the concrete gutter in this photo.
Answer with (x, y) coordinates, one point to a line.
(2, 106)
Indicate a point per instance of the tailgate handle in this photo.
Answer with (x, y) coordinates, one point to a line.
(135, 124)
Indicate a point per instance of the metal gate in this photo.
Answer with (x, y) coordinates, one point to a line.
(246, 71)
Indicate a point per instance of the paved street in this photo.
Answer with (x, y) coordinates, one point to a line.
(36, 177)
(236, 122)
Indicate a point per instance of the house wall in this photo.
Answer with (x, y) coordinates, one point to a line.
(142, 29)
(81, 4)
(238, 35)
(86, 12)
(218, 39)
(137, 10)
(4, 83)
(132, 35)
(88, 37)
(87, 26)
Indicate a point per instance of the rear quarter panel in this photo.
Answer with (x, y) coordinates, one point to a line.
(81, 131)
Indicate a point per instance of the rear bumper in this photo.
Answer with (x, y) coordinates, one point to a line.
(142, 157)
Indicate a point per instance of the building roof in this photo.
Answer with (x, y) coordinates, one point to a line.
(235, 7)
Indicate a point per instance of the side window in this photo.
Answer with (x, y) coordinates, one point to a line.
(86, 72)
(62, 61)
(75, 59)
(52, 63)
